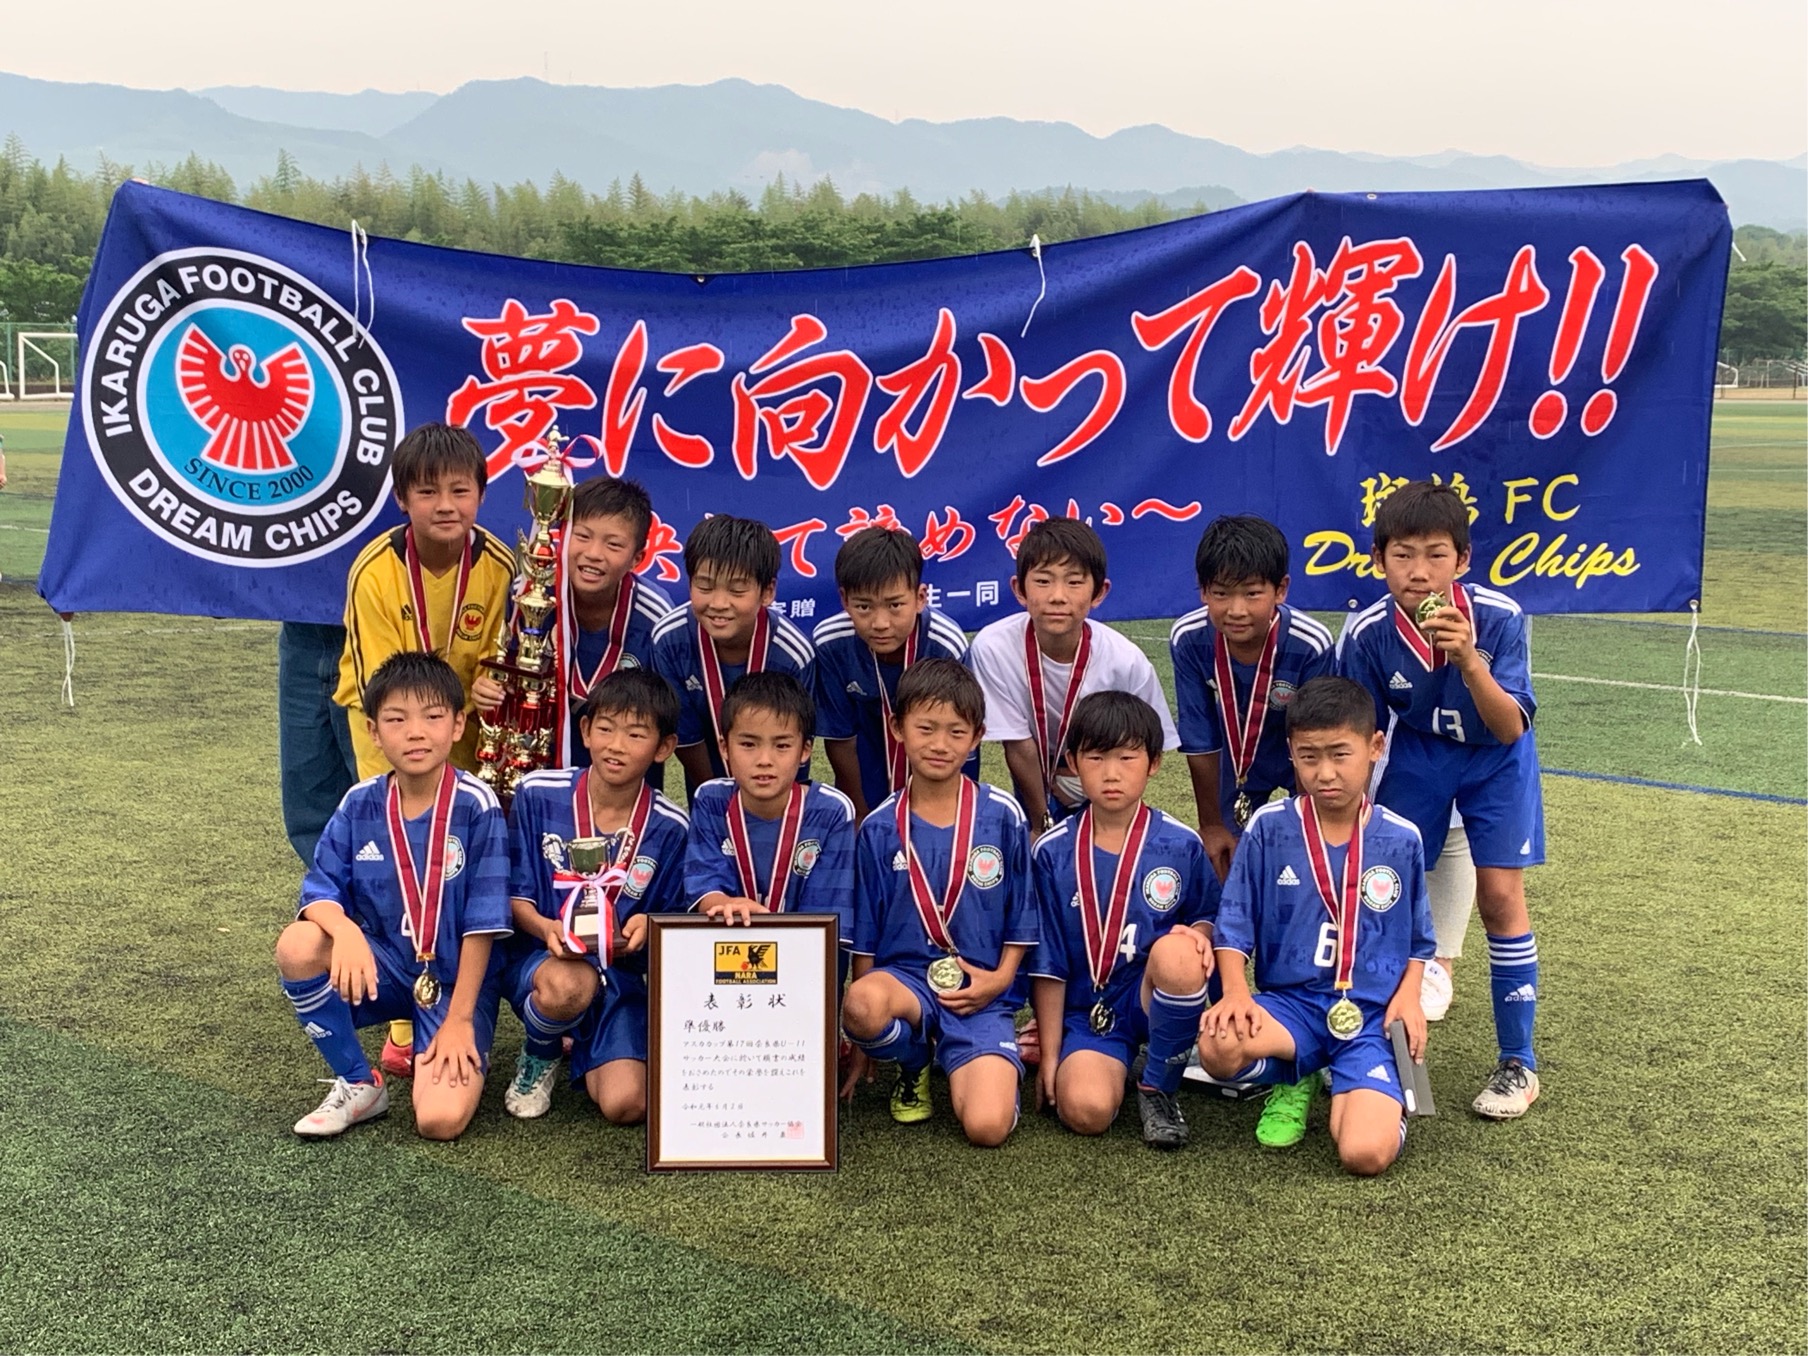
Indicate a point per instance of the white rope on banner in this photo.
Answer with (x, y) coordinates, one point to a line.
(1036, 254)
(69, 662)
(361, 260)
(1691, 670)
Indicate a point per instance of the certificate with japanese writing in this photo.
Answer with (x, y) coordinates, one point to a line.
(742, 1040)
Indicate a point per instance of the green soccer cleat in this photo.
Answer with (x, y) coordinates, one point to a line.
(910, 1097)
(1283, 1122)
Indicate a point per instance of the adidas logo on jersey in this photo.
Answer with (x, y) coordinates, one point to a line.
(855, 690)
(1399, 682)
(1379, 1074)
(1525, 993)
(1287, 877)
(314, 1031)
(692, 683)
(370, 852)
(898, 863)
(1525, 848)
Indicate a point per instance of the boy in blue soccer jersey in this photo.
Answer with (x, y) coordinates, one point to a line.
(408, 890)
(1109, 883)
(567, 910)
(1451, 663)
(728, 628)
(861, 652)
(761, 841)
(944, 916)
(1326, 895)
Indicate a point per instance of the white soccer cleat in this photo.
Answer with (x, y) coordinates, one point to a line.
(1508, 1092)
(1435, 992)
(529, 1096)
(346, 1104)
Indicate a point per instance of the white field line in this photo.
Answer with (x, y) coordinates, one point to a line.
(1667, 687)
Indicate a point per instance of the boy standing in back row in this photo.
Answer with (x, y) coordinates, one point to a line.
(1453, 667)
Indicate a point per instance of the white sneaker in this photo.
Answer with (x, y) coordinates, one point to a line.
(346, 1105)
(1435, 991)
(1508, 1092)
(530, 1094)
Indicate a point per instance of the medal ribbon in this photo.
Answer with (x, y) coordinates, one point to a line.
(782, 855)
(417, 587)
(609, 882)
(613, 650)
(1032, 659)
(897, 767)
(1243, 730)
(1102, 930)
(1344, 907)
(1423, 650)
(713, 684)
(421, 900)
(937, 912)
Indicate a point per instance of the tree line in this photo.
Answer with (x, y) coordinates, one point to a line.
(51, 218)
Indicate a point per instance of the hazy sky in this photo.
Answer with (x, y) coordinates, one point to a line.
(1555, 81)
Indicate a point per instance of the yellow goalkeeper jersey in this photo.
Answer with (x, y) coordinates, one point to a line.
(379, 622)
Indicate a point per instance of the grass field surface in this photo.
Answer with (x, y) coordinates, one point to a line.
(1652, 1201)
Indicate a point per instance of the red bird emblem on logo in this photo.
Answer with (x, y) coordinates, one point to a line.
(251, 420)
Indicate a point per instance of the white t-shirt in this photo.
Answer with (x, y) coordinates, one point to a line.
(1116, 664)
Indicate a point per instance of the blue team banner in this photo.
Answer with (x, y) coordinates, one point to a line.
(1548, 353)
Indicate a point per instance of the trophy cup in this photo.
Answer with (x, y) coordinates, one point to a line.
(517, 736)
(589, 857)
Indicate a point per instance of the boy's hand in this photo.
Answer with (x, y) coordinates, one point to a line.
(1045, 1083)
(486, 693)
(353, 970)
(735, 910)
(1220, 843)
(859, 1070)
(452, 1055)
(981, 988)
(1451, 632)
(552, 935)
(1237, 1018)
(1405, 1007)
(634, 934)
(1203, 941)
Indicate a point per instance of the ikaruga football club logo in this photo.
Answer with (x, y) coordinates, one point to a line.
(1280, 695)
(985, 866)
(640, 875)
(455, 857)
(1381, 888)
(238, 411)
(1161, 888)
(803, 861)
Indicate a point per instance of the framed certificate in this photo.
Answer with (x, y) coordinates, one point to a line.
(741, 1043)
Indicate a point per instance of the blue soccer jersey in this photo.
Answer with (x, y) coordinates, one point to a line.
(675, 659)
(822, 863)
(355, 867)
(1174, 886)
(1435, 700)
(1305, 651)
(848, 680)
(1272, 911)
(648, 605)
(996, 906)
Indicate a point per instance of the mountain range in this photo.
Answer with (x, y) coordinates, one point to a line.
(735, 134)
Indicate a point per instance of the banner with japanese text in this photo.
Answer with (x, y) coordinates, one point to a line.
(1549, 353)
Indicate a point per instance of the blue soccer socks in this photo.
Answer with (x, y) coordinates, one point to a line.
(1513, 976)
(544, 1036)
(326, 1019)
(1173, 1032)
(900, 1044)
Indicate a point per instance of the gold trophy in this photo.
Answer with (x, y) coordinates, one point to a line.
(590, 858)
(516, 737)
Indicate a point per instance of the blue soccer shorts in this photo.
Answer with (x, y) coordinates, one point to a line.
(959, 1040)
(1494, 786)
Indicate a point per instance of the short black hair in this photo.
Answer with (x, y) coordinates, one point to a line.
(876, 556)
(1055, 541)
(1240, 546)
(429, 451)
(607, 497)
(941, 680)
(770, 690)
(1103, 721)
(413, 673)
(1422, 508)
(1331, 704)
(636, 692)
(738, 545)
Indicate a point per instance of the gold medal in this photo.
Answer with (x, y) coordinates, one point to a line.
(1241, 810)
(1344, 1019)
(945, 974)
(1102, 1019)
(1431, 603)
(426, 990)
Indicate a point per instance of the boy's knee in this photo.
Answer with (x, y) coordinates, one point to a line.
(562, 992)
(1221, 1058)
(1175, 965)
(443, 1123)
(863, 1010)
(623, 1106)
(988, 1127)
(1371, 1153)
(303, 950)
(1086, 1113)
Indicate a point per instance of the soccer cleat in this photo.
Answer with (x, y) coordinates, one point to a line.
(1508, 1092)
(910, 1097)
(530, 1095)
(397, 1060)
(1163, 1125)
(1435, 991)
(345, 1105)
(1283, 1120)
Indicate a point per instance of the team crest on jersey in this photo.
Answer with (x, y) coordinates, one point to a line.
(803, 861)
(455, 856)
(640, 875)
(237, 410)
(1381, 888)
(985, 866)
(627, 661)
(552, 847)
(1161, 888)
(470, 621)
(1280, 695)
